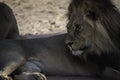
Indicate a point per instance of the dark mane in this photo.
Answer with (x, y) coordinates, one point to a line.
(109, 16)
(111, 21)
(98, 29)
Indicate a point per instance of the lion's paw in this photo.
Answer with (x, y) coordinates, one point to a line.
(30, 76)
(5, 78)
(39, 76)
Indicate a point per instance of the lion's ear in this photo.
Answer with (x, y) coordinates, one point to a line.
(90, 11)
(91, 14)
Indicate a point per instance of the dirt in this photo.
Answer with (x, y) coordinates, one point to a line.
(40, 16)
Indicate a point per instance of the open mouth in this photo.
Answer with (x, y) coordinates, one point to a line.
(76, 52)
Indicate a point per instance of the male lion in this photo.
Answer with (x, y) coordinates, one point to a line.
(47, 55)
(8, 24)
(25, 59)
(15, 54)
(94, 32)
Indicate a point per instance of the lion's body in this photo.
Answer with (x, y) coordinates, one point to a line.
(42, 50)
(19, 57)
(41, 56)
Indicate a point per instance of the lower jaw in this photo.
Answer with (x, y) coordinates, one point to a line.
(77, 53)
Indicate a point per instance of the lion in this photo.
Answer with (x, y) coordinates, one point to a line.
(49, 55)
(8, 23)
(26, 59)
(29, 59)
(93, 32)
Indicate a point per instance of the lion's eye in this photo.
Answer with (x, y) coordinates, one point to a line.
(91, 15)
(77, 27)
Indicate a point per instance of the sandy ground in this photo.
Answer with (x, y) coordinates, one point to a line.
(39, 16)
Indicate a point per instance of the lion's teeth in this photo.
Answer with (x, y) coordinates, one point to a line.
(77, 53)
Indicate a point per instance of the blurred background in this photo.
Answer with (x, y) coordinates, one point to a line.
(38, 17)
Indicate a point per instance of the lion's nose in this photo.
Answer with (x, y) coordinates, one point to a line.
(77, 26)
(69, 43)
(69, 40)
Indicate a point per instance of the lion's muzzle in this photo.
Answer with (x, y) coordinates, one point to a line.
(75, 52)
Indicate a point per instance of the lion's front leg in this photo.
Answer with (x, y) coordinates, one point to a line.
(30, 76)
(3, 77)
(9, 62)
(7, 68)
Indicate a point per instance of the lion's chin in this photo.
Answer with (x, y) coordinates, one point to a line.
(77, 52)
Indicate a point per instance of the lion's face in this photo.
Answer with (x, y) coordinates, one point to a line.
(86, 32)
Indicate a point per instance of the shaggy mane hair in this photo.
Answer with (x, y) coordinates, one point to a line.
(105, 17)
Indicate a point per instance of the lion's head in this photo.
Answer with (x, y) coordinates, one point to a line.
(93, 27)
